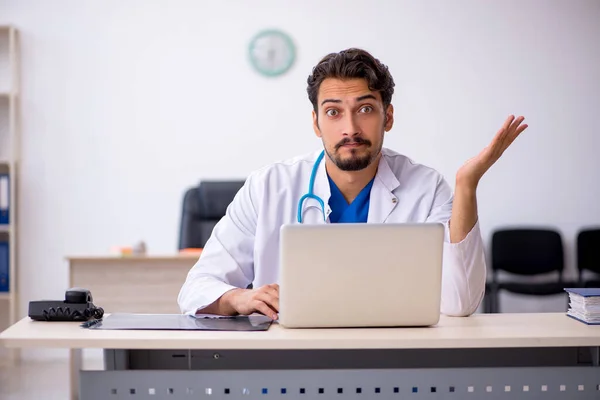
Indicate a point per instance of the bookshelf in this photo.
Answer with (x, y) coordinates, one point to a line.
(9, 166)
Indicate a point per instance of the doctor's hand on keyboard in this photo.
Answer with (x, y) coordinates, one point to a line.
(264, 300)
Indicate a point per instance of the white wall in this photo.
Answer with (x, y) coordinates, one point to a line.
(126, 104)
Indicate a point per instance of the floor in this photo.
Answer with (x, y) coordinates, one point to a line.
(31, 380)
(38, 380)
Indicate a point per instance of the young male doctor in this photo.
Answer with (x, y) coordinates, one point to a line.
(355, 180)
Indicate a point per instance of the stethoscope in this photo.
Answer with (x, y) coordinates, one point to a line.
(311, 186)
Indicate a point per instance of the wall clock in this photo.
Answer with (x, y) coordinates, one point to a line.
(272, 52)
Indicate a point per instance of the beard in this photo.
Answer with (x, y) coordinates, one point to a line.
(359, 159)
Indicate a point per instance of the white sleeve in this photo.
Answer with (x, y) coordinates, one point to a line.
(464, 269)
(227, 259)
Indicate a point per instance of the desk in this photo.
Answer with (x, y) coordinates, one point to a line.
(489, 356)
(132, 284)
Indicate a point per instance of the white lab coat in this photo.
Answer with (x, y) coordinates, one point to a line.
(244, 245)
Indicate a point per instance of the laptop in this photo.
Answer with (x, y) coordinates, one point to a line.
(360, 275)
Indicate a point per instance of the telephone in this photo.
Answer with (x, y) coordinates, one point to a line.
(77, 306)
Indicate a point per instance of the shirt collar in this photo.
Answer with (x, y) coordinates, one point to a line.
(384, 185)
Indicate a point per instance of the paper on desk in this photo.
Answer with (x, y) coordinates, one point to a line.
(212, 316)
(129, 321)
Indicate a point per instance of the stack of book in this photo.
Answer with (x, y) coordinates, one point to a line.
(584, 305)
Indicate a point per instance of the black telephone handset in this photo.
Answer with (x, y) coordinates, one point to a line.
(78, 296)
(77, 306)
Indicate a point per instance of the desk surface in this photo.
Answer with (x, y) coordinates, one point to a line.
(135, 258)
(477, 331)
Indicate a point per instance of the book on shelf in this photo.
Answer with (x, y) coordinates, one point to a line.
(4, 266)
(4, 199)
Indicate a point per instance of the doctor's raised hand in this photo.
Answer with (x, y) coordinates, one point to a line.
(472, 171)
(464, 210)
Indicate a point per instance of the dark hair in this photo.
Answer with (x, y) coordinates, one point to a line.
(348, 64)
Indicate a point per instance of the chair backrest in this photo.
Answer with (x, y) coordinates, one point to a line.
(588, 250)
(203, 206)
(527, 251)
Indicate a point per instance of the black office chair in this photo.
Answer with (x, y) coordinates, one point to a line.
(526, 252)
(203, 207)
(588, 256)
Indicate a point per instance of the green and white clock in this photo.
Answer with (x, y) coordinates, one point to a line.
(272, 52)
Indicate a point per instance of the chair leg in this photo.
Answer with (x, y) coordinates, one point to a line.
(490, 299)
(495, 301)
(486, 303)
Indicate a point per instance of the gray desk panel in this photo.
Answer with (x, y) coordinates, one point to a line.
(571, 383)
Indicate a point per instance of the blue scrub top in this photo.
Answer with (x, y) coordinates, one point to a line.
(341, 211)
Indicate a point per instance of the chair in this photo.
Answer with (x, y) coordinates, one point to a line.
(203, 206)
(588, 256)
(526, 253)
